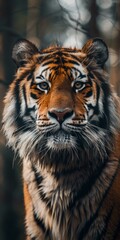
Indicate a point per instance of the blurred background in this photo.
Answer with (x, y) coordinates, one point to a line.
(45, 22)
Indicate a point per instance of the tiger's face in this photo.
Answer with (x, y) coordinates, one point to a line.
(59, 100)
(65, 100)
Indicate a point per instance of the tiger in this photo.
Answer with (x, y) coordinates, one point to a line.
(61, 115)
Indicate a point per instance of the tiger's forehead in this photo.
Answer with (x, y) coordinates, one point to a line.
(62, 65)
(62, 51)
(46, 71)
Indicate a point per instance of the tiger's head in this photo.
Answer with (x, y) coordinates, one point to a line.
(60, 100)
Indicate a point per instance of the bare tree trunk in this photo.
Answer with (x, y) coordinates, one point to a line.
(33, 21)
(10, 192)
(2, 140)
(7, 40)
(115, 70)
(118, 48)
(93, 29)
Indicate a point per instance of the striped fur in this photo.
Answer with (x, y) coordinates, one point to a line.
(62, 117)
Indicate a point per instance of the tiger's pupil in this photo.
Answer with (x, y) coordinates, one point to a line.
(77, 85)
(44, 85)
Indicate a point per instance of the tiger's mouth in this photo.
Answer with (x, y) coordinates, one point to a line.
(60, 140)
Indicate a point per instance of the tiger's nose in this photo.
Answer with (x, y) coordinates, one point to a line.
(60, 114)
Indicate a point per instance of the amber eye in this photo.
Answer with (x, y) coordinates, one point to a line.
(43, 86)
(78, 85)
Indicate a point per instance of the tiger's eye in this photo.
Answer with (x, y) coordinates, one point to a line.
(43, 86)
(77, 85)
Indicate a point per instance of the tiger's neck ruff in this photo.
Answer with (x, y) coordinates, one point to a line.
(62, 117)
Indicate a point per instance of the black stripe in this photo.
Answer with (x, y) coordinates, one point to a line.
(17, 95)
(89, 94)
(76, 69)
(38, 177)
(29, 110)
(105, 119)
(41, 225)
(74, 57)
(46, 200)
(23, 76)
(33, 95)
(39, 222)
(30, 76)
(47, 63)
(19, 120)
(96, 108)
(24, 94)
(69, 56)
(39, 180)
(106, 90)
(71, 61)
(90, 75)
(32, 82)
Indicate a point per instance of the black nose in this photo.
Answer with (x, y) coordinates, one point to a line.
(60, 114)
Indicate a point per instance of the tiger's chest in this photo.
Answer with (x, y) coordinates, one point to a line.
(65, 221)
(63, 211)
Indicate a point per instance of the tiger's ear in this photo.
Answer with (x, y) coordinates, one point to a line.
(97, 50)
(23, 51)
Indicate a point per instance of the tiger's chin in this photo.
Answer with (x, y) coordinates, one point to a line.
(61, 141)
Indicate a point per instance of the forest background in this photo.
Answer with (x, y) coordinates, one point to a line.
(45, 22)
